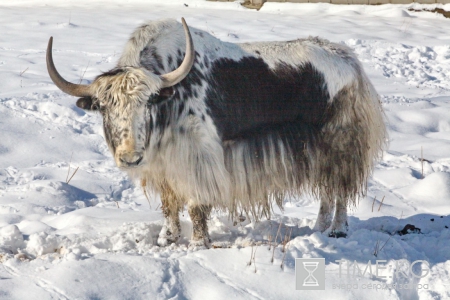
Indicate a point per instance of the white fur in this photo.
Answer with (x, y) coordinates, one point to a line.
(330, 59)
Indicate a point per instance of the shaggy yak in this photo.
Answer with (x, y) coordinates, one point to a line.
(210, 124)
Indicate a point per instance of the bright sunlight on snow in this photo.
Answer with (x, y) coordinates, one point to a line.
(73, 226)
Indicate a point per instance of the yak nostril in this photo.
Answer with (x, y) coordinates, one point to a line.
(138, 161)
(131, 160)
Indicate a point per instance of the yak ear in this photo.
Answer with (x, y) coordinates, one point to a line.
(86, 103)
(165, 93)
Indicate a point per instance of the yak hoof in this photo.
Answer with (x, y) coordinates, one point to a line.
(200, 244)
(338, 230)
(163, 242)
(167, 238)
(337, 234)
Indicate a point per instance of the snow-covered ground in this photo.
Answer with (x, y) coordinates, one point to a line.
(94, 237)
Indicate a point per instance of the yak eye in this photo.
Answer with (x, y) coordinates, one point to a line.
(164, 94)
(153, 98)
(87, 103)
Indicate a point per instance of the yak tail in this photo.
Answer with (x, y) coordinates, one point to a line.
(351, 143)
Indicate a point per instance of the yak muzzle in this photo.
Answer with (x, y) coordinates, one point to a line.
(127, 160)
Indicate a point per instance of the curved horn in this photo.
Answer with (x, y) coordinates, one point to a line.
(172, 78)
(78, 90)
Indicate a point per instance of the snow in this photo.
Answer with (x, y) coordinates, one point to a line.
(94, 237)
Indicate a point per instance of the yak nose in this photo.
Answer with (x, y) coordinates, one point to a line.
(130, 159)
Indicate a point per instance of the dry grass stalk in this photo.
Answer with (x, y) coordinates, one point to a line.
(373, 203)
(273, 252)
(254, 257)
(251, 258)
(82, 75)
(376, 250)
(275, 243)
(282, 261)
(68, 171)
(270, 241)
(381, 203)
(73, 175)
(269, 237)
(21, 73)
(144, 189)
(286, 241)
(421, 159)
(278, 232)
(377, 246)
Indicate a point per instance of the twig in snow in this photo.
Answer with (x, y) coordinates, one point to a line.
(275, 243)
(381, 203)
(273, 252)
(251, 258)
(21, 73)
(82, 76)
(421, 158)
(68, 171)
(254, 256)
(377, 246)
(73, 175)
(286, 239)
(284, 250)
(279, 228)
(269, 237)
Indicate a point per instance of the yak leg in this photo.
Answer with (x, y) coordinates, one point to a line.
(325, 215)
(339, 227)
(199, 216)
(171, 206)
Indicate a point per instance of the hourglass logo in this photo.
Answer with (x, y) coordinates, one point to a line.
(310, 273)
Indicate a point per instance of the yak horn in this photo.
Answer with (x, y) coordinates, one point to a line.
(172, 78)
(78, 90)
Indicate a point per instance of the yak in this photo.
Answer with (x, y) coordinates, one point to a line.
(236, 127)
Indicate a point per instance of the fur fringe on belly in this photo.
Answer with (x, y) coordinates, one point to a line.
(249, 175)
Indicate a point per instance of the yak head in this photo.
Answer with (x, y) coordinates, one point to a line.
(124, 96)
